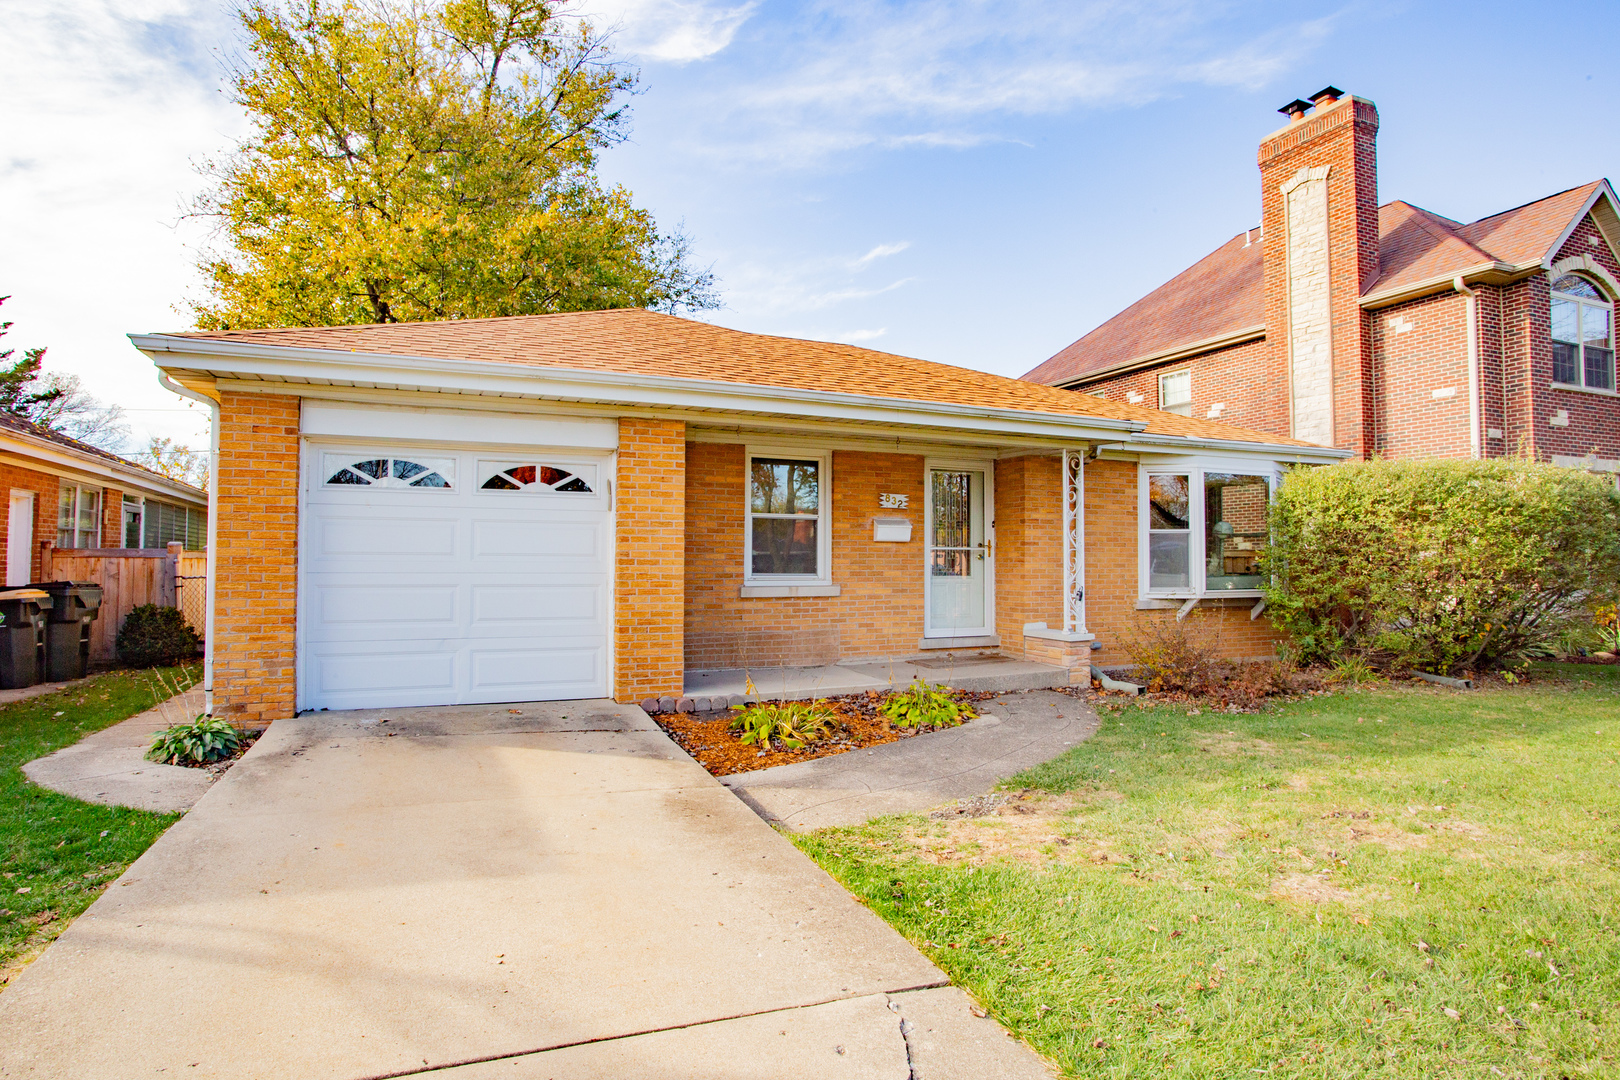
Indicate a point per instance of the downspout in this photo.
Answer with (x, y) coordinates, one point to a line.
(213, 520)
(1473, 364)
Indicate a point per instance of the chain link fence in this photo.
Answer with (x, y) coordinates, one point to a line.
(191, 597)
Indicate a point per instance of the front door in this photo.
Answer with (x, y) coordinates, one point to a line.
(20, 539)
(959, 564)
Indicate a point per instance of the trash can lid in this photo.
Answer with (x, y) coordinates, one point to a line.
(29, 593)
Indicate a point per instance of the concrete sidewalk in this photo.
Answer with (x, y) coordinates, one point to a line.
(537, 891)
(109, 766)
(1012, 733)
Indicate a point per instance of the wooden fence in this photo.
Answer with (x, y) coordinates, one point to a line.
(130, 577)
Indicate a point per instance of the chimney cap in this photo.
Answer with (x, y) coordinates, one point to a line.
(1332, 93)
(1295, 106)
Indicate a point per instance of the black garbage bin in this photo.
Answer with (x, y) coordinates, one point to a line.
(22, 636)
(67, 628)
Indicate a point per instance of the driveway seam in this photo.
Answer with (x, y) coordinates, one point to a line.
(424, 1070)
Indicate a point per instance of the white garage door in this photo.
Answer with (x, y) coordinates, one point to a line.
(430, 577)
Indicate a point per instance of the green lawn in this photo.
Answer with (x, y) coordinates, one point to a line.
(57, 854)
(1395, 882)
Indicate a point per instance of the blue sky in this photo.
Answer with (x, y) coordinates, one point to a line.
(973, 183)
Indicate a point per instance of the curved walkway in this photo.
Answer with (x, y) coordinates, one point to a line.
(110, 767)
(1013, 732)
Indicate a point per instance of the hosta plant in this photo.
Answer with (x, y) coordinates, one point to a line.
(791, 723)
(923, 705)
(202, 740)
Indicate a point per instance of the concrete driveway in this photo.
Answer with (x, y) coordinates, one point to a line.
(549, 890)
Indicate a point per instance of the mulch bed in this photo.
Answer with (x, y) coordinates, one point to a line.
(708, 737)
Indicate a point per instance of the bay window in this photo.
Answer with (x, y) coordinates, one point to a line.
(1203, 531)
(787, 518)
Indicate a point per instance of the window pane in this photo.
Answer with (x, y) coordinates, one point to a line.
(953, 523)
(1564, 314)
(89, 515)
(1577, 286)
(784, 546)
(1599, 368)
(1564, 367)
(66, 516)
(1595, 325)
(1175, 392)
(780, 486)
(1167, 502)
(132, 526)
(1167, 561)
(1235, 508)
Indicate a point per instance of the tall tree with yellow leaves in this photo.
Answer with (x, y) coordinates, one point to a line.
(429, 160)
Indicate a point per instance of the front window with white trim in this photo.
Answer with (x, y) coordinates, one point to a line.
(1175, 392)
(1582, 334)
(78, 520)
(787, 518)
(1204, 531)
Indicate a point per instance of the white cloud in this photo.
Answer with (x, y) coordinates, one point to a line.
(855, 337)
(678, 31)
(107, 104)
(882, 251)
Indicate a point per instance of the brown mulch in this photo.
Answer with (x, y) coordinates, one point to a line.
(708, 737)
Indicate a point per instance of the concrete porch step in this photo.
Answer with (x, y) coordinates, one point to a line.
(971, 672)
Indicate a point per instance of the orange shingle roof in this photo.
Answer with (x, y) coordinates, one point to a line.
(1225, 291)
(631, 341)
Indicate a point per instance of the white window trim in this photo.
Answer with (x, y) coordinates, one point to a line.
(1197, 563)
(1163, 375)
(138, 504)
(1580, 303)
(101, 515)
(823, 575)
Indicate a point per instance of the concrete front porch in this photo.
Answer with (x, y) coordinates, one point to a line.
(972, 671)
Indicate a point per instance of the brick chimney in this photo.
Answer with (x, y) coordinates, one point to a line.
(1319, 207)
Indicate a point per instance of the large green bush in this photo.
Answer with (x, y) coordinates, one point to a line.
(1439, 565)
(153, 635)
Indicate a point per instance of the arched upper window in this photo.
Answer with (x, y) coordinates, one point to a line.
(1582, 334)
(528, 477)
(387, 473)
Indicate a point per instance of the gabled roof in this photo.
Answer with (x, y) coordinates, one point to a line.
(639, 343)
(1223, 295)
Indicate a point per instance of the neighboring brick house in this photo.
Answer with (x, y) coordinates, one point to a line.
(75, 495)
(603, 503)
(1385, 330)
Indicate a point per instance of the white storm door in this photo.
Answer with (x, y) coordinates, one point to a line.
(958, 554)
(20, 539)
(435, 578)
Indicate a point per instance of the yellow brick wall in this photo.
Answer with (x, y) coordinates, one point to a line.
(879, 612)
(650, 559)
(1111, 570)
(256, 565)
(1029, 550)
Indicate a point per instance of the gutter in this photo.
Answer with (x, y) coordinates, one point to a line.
(1494, 272)
(325, 366)
(1473, 364)
(213, 527)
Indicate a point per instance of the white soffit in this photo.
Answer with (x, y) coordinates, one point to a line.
(355, 421)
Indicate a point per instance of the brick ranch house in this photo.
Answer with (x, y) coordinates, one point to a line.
(74, 495)
(1385, 330)
(581, 505)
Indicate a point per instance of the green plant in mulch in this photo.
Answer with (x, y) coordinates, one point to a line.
(199, 742)
(791, 723)
(153, 635)
(925, 705)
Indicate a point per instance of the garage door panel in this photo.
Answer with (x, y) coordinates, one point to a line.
(373, 670)
(391, 605)
(450, 596)
(536, 539)
(350, 533)
(512, 606)
(548, 670)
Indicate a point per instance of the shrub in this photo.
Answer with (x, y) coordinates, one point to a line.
(1440, 565)
(196, 743)
(155, 636)
(1174, 654)
(922, 705)
(792, 723)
